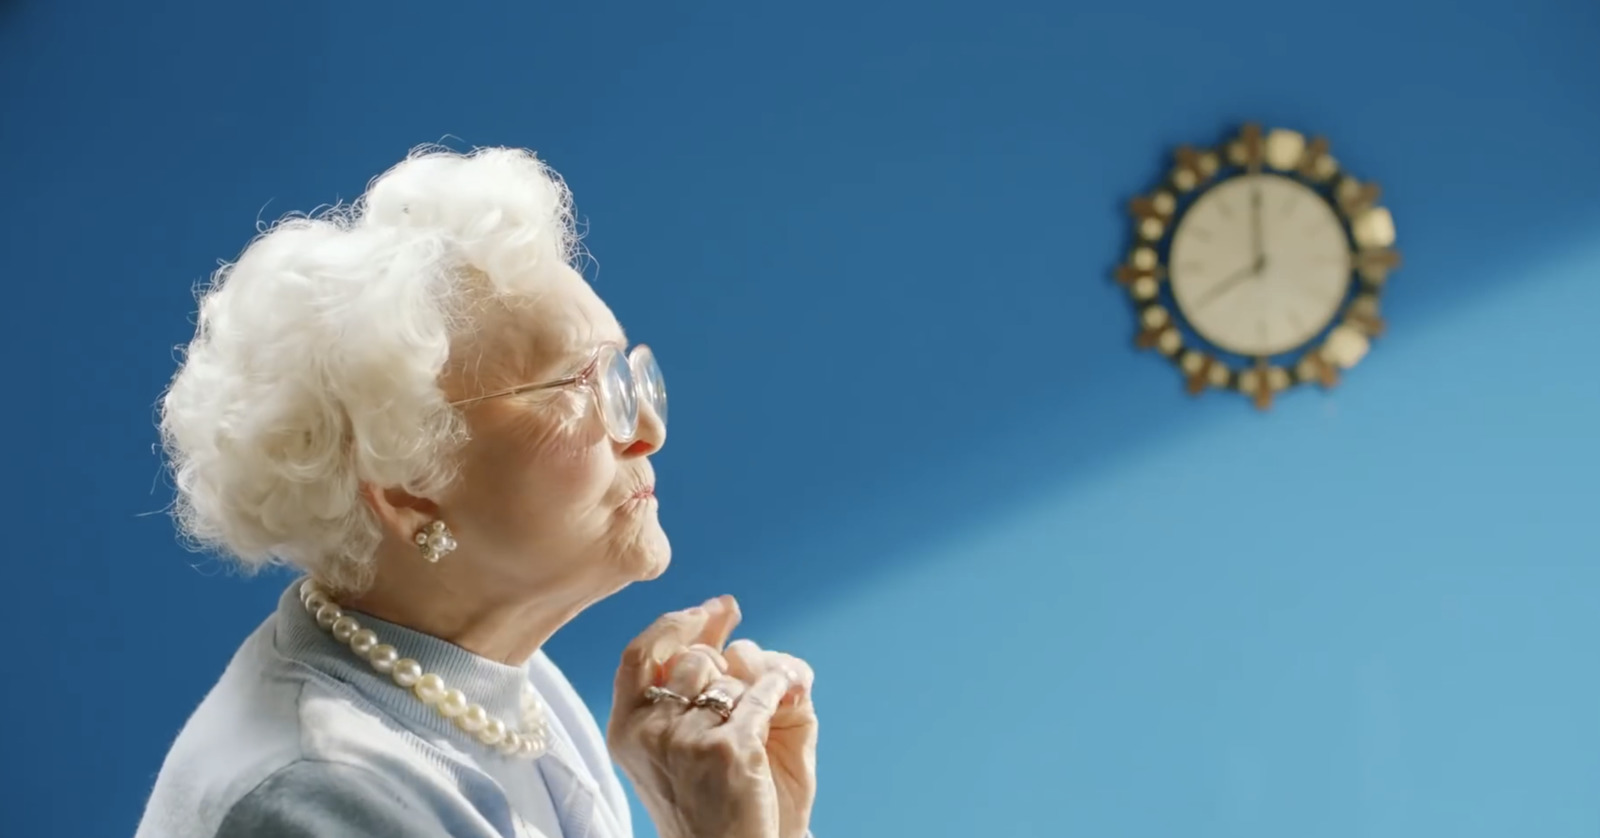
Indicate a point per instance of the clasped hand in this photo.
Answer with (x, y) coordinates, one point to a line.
(752, 774)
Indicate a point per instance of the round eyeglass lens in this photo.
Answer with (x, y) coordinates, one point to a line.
(647, 375)
(619, 401)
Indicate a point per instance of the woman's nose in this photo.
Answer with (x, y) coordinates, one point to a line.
(652, 434)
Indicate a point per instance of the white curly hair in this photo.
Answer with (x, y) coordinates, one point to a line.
(318, 354)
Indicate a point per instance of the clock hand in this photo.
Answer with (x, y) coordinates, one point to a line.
(1257, 246)
(1232, 281)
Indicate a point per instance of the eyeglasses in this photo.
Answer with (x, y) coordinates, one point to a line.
(617, 382)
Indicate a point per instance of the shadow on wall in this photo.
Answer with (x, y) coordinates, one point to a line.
(911, 391)
(889, 311)
(905, 500)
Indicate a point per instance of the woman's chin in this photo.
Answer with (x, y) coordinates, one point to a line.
(660, 556)
(655, 570)
(649, 554)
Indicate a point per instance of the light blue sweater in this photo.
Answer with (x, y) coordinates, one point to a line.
(302, 738)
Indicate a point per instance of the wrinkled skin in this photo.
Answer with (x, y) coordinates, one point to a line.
(753, 776)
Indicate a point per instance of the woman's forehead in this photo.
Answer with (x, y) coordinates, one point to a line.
(549, 334)
(564, 325)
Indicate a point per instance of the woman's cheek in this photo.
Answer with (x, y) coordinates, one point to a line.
(578, 470)
(556, 445)
(552, 432)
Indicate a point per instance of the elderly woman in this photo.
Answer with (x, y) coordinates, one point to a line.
(419, 402)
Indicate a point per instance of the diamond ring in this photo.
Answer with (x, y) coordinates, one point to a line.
(716, 701)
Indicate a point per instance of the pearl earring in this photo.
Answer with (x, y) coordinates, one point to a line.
(435, 541)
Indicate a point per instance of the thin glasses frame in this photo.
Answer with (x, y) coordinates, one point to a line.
(588, 378)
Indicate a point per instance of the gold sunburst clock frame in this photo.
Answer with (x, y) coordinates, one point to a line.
(1368, 226)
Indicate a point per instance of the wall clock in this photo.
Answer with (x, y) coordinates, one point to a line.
(1258, 265)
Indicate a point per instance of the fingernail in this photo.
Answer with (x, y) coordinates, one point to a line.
(713, 604)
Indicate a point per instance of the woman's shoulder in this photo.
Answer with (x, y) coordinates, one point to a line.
(268, 731)
(310, 796)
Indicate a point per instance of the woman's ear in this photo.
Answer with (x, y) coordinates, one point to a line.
(399, 513)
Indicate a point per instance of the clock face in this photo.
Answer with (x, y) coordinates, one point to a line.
(1260, 264)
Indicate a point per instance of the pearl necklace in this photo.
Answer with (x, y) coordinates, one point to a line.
(530, 740)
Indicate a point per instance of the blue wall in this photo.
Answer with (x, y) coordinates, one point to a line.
(1047, 594)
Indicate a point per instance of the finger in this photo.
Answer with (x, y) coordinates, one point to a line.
(689, 671)
(748, 661)
(753, 713)
(800, 673)
(725, 617)
(745, 659)
(644, 656)
(715, 654)
(699, 719)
